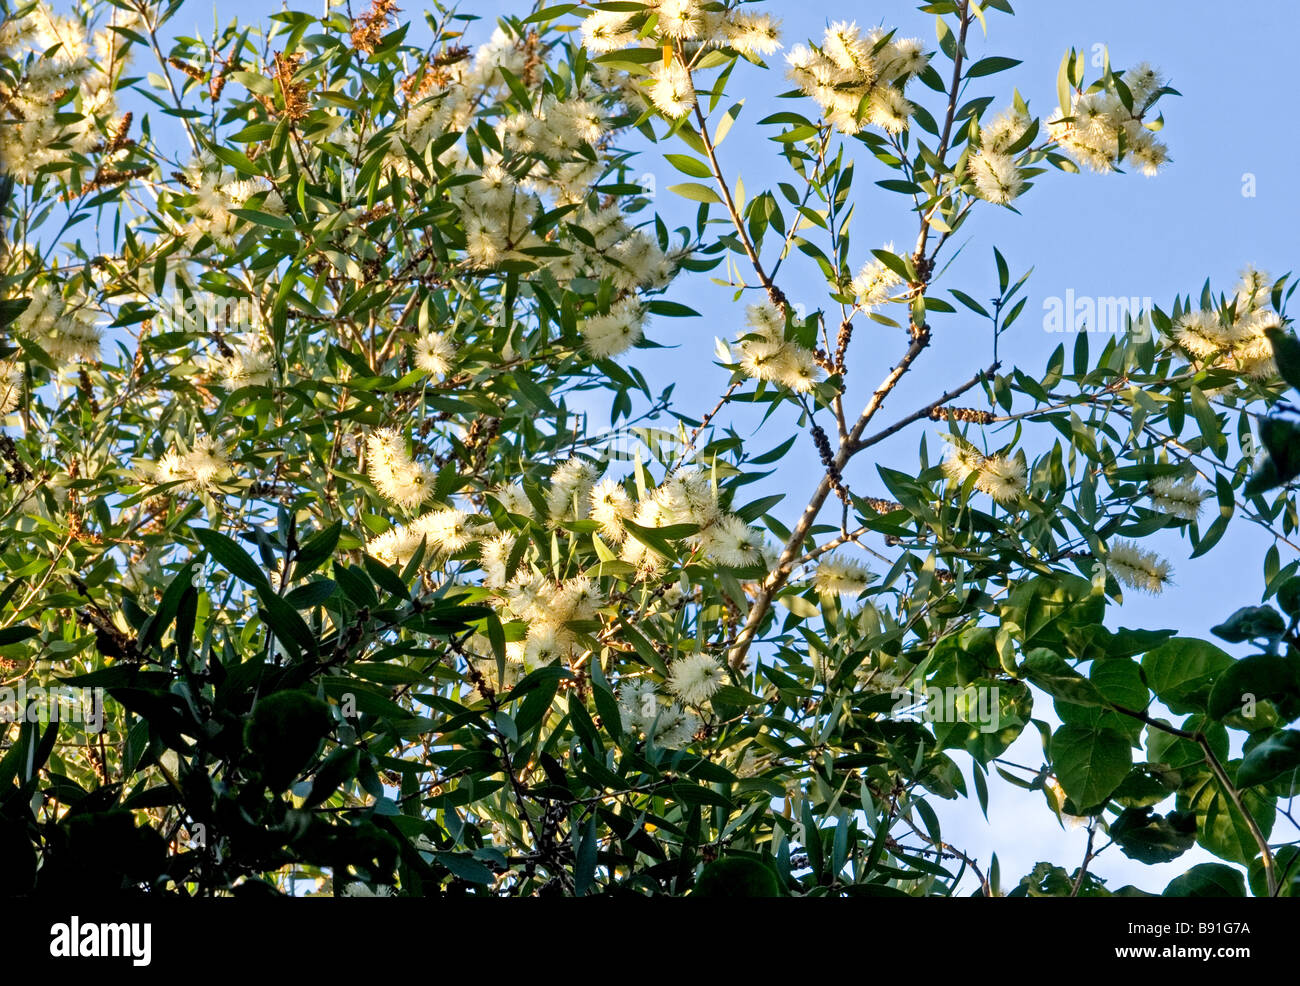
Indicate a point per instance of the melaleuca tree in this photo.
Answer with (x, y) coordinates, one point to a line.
(295, 320)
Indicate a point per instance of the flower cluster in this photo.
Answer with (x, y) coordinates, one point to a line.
(875, 283)
(766, 354)
(686, 26)
(693, 23)
(215, 192)
(690, 498)
(70, 335)
(1000, 477)
(993, 167)
(200, 468)
(11, 385)
(858, 80)
(38, 130)
(396, 476)
(1177, 497)
(1105, 125)
(434, 352)
(246, 364)
(442, 531)
(644, 713)
(547, 607)
(1236, 337)
(616, 331)
(1136, 568)
(841, 576)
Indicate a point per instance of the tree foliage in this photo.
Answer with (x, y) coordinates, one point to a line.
(294, 475)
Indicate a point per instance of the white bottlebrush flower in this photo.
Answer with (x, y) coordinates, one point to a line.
(765, 353)
(671, 90)
(1202, 334)
(529, 597)
(571, 484)
(1142, 81)
(1177, 497)
(542, 646)
(207, 462)
(250, 365)
(848, 49)
(201, 468)
(889, 110)
(687, 498)
(903, 58)
(695, 678)
(361, 890)
(732, 543)
(1136, 568)
(610, 335)
(1148, 154)
(1007, 128)
(442, 531)
(961, 460)
(1002, 478)
(855, 84)
(874, 284)
(493, 556)
(447, 529)
(607, 30)
(676, 727)
(680, 19)
(396, 476)
(841, 576)
(996, 177)
(752, 33)
(514, 500)
(11, 385)
(638, 704)
(610, 506)
(69, 334)
(1252, 290)
(434, 352)
(577, 599)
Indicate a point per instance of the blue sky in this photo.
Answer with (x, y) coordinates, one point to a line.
(1111, 235)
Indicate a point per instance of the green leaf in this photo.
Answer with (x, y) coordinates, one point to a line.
(688, 165)
(1276, 757)
(1220, 826)
(1090, 762)
(1053, 675)
(230, 556)
(1063, 87)
(1286, 351)
(1181, 670)
(991, 65)
(13, 635)
(1251, 623)
(895, 263)
(1252, 680)
(318, 549)
(265, 219)
(696, 193)
(1208, 880)
(652, 538)
(1151, 838)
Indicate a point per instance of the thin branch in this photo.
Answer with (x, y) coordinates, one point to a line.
(924, 412)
